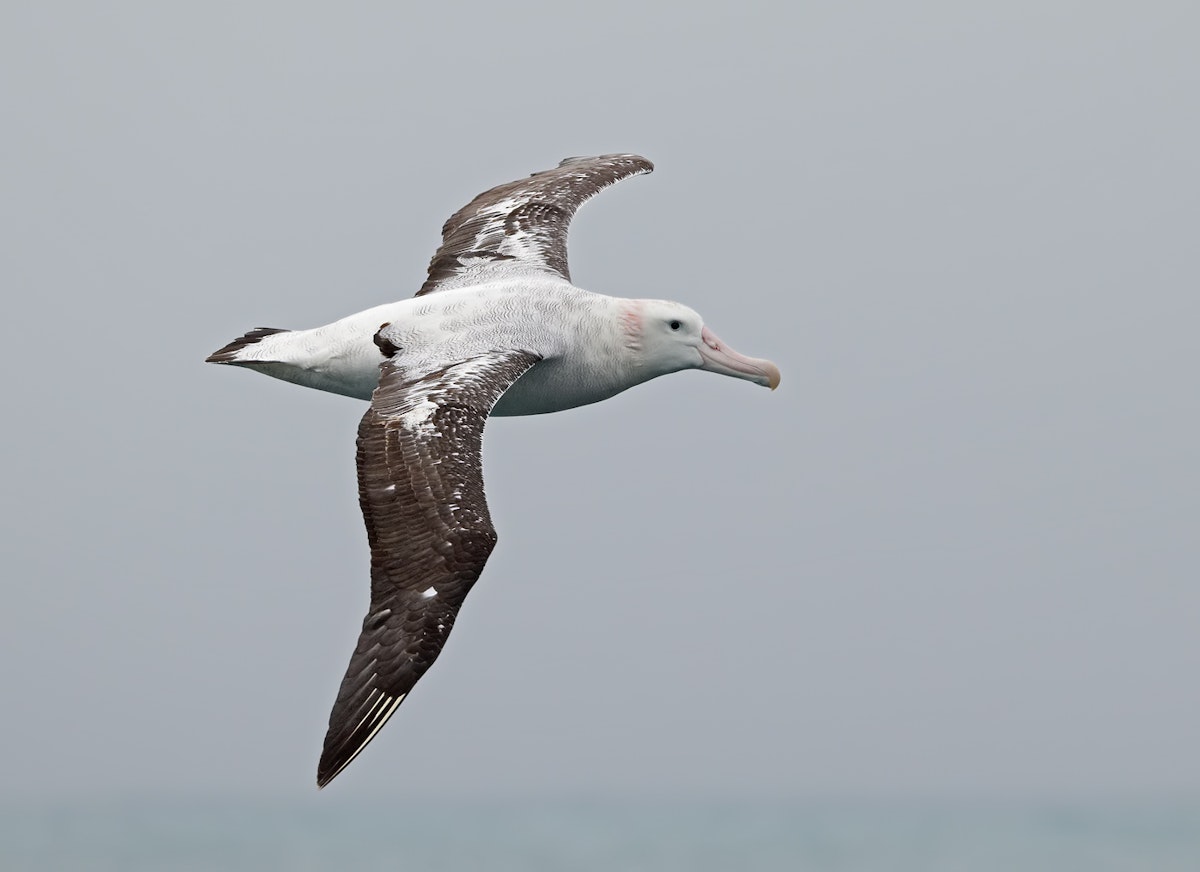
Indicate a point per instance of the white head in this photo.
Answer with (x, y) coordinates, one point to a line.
(668, 337)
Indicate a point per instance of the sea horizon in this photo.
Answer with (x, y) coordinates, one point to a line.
(597, 832)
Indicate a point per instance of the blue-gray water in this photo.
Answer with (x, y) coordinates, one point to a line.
(606, 836)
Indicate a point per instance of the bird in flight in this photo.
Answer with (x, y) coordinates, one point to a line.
(496, 329)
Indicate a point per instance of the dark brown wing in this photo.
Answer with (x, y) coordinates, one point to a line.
(523, 225)
(420, 485)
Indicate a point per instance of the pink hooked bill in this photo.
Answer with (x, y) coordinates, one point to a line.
(719, 357)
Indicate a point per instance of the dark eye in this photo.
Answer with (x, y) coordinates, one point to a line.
(675, 325)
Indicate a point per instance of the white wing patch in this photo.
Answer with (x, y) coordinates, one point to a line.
(424, 400)
(418, 417)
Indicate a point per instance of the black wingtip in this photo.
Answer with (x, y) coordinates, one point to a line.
(326, 773)
(327, 769)
(332, 764)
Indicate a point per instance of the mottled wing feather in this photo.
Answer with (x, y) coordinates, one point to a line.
(523, 225)
(420, 486)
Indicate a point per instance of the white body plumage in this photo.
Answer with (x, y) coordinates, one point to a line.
(592, 346)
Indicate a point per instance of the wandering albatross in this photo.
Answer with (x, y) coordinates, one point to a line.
(496, 329)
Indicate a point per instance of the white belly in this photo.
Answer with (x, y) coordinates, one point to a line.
(552, 386)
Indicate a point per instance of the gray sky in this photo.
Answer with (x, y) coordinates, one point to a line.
(955, 553)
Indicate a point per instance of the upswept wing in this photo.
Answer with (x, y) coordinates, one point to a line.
(522, 225)
(420, 485)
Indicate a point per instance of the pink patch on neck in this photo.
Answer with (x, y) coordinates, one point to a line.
(631, 323)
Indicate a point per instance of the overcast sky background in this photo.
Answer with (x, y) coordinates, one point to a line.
(955, 554)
